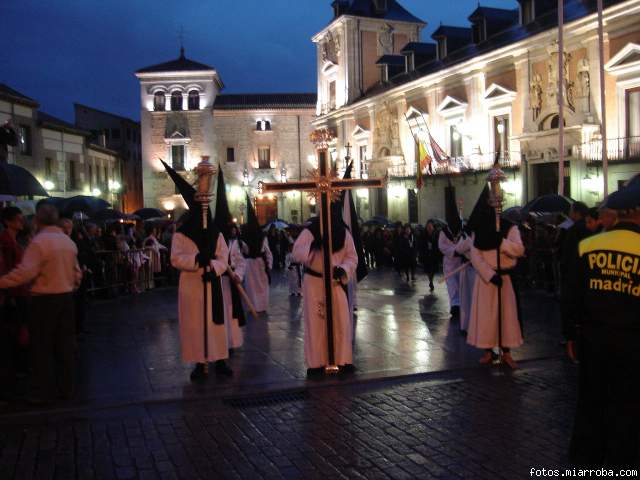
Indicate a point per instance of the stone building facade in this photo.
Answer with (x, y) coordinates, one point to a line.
(251, 137)
(59, 154)
(481, 93)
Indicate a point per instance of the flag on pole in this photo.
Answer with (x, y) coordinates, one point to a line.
(424, 161)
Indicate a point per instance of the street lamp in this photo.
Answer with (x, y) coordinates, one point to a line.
(96, 192)
(48, 185)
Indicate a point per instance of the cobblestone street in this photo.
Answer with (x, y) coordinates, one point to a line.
(476, 423)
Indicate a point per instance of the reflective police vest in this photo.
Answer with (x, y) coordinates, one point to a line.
(608, 279)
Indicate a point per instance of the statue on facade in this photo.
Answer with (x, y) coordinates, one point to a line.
(330, 48)
(584, 84)
(536, 95)
(386, 39)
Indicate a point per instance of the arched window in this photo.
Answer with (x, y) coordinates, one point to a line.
(263, 125)
(159, 102)
(176, 101)
(194, 100)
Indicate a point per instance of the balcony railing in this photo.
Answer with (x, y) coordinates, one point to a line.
(478, 162)
(618, 150)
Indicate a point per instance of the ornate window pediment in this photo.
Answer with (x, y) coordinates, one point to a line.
(360, 133)
(497, 95)
(451, 107)
(626, 60)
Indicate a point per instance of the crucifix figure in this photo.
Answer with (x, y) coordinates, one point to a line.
(324, 186)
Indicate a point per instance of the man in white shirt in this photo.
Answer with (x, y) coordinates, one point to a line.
(50, 265)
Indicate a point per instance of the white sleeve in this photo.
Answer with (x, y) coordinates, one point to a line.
(268, 254)
(350, 259)
(302, 247)
(237, 259)
(183, 253)
(446, 246)
(482, 268)
(512, 246)
(219, 265)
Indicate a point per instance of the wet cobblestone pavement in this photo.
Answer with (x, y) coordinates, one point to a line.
(131, 352)
(476, 423)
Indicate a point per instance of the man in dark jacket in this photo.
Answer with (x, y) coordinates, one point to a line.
(568, 256)
(605, 299)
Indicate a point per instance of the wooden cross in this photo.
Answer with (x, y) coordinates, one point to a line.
(324, 185)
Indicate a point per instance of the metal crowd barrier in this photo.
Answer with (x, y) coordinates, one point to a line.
(133, 271)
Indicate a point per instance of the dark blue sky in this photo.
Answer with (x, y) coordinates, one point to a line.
(65, 51)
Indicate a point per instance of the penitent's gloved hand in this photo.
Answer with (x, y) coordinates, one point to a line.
(339, 273)
(496, 280)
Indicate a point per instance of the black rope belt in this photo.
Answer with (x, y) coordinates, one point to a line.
(313, 273)
(505, 272)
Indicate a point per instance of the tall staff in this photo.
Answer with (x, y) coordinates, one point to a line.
(561, 97)
(603, 107)
(495, 177)
(205, 172)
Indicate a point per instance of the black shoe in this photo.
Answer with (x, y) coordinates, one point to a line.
(315, 372)
(223, 369)
(348, 368)
(198, 373)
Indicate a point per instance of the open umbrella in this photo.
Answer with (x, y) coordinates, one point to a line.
(83, 203)
(635, 180)
(278, 223)
(17, 181)
(551, 203)
(513, 214)
(377, 221)
(146, 213)
(108, 214)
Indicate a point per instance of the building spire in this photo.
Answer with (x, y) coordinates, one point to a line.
(181, 37)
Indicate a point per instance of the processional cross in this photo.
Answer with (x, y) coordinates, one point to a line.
(324, 186)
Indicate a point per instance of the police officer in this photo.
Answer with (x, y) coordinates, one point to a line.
(606, 290)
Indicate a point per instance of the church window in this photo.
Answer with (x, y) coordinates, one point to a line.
(177, 157)
(527, 13)
(332, 95)
(632, 100)
(71, 176)
(501, 136)
(264, 157)
(263, 125)
(363, 160)
(176, 101)
(25, 140)
(442, 48)
(455, 141)
(48, 167)
(194, 100)
(159, 102)
(231, 154)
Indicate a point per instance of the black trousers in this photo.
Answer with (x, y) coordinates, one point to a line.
(606, 431)
(52, 332)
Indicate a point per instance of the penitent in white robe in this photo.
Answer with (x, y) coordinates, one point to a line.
(256, 281)
(483, 325)
(294, 274)
(237, 263)
(191, 298)
(315, 325)
(467, 279)
(449, 263)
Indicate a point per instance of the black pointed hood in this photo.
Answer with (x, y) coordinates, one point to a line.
(482, 222)
(252, 234)
(223, 219)
(361, 271)
(192, 223)
(451, 212)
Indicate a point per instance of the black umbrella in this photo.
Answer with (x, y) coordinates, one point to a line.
(634, 181)
(108, 214)
(551, 203)
(83, 203)
(146, 213)
(18, 181)
(377, 220)
(513, 214)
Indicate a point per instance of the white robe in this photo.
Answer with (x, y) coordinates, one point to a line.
(449, 263)
(467, 279)
(237, 263)
(256, 282)
(483, 325)
(190, 301)
(315, 325)
(294, 274)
